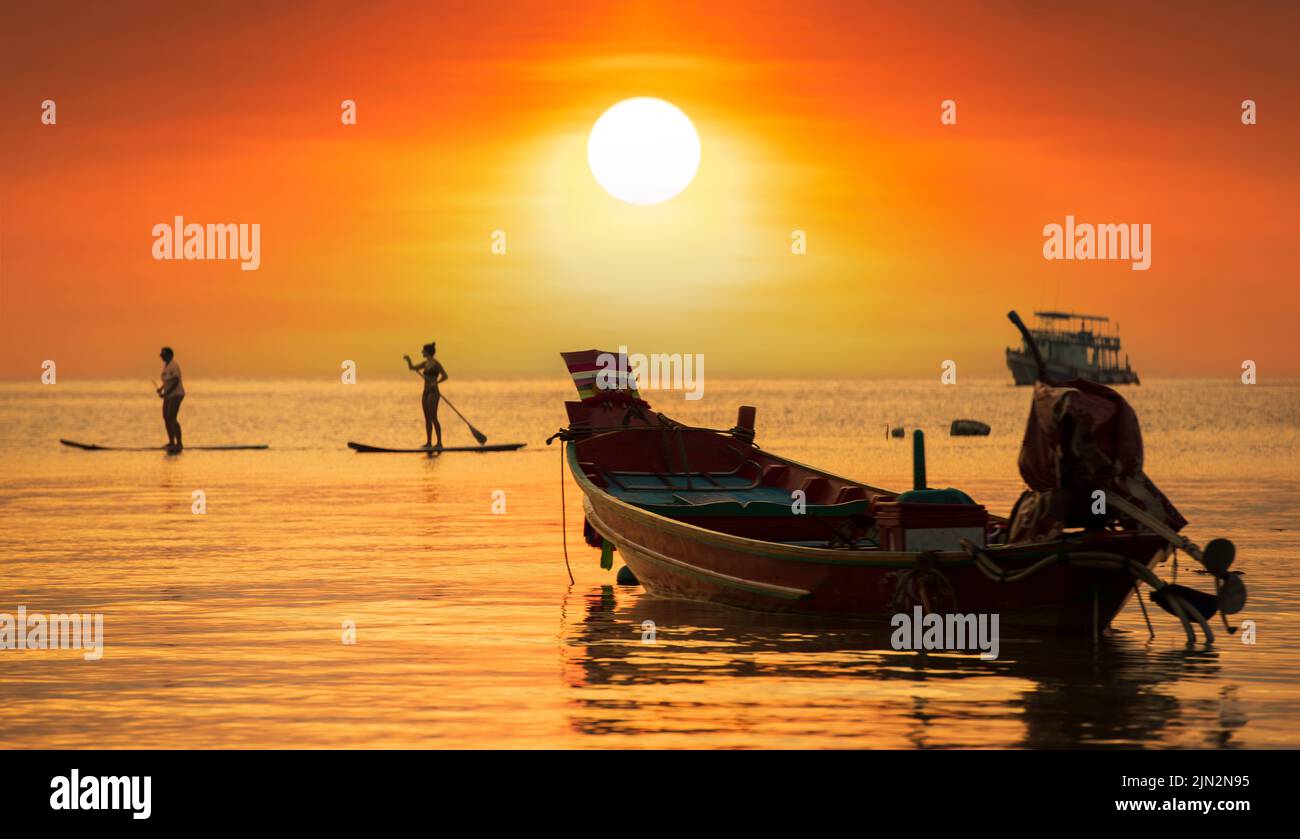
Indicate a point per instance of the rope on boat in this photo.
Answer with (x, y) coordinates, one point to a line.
(911, 585)
(665, 452)
(587, 430)
(681, 447)
(1099, 560)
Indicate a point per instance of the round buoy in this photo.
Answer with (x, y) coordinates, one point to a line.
(626, 577)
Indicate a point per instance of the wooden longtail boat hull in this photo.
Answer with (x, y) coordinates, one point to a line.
(674, 558)
(705, 514)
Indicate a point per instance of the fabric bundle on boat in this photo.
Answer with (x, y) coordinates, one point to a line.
(602, 376)
(1081, 437)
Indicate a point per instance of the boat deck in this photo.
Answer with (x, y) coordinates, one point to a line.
(713, 494)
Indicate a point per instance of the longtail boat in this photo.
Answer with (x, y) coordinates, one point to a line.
(706, 514)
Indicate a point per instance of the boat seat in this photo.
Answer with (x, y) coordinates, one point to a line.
(625, 483)
(815, 489)
(850, 493)
(775, 475)
(593, 474)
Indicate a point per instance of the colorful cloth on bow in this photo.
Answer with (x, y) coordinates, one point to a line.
(600, 375)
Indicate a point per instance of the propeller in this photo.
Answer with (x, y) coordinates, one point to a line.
(1232, 593)
(1218, 555)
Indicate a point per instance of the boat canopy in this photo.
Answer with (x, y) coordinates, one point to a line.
(1070, 316)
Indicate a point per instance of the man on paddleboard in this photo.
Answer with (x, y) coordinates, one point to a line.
(172, 392)
(431, 370)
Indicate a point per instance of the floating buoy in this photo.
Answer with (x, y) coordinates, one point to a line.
(896, 432)
(969, 428)
(626, 577)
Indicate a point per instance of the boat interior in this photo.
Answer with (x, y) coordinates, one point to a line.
(724, 483)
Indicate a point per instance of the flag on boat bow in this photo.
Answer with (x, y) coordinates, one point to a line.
(602, 376)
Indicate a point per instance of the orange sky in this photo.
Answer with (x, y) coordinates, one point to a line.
(474, 117)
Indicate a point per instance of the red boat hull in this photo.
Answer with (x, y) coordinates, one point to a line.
(674, 558)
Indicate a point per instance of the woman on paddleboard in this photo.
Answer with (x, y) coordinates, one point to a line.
(172, 392)
(432, 372)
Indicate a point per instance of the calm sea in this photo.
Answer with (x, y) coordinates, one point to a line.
(225, 629)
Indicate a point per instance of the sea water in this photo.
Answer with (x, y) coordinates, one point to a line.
(324, 598)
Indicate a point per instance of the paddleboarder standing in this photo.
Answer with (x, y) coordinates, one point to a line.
(431, 370)
(172, 392)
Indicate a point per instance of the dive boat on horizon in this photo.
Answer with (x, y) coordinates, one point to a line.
(1073, 346)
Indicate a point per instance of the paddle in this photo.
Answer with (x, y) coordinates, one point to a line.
(478, 435)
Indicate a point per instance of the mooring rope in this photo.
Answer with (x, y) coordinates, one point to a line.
(911, 585)
(590, 430)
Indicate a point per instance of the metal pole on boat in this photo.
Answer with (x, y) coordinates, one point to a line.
(744, 429)
(918, 459)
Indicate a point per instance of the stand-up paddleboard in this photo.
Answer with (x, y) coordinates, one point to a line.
(496, 447)
(92, 447)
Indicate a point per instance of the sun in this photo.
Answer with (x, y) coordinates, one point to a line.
(643, 150)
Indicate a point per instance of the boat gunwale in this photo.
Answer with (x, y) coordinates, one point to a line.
(817, 469)
(793, 553)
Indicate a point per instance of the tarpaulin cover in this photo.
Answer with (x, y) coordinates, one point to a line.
(1081, 437)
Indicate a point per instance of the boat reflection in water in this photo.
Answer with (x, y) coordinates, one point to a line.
(726, 677)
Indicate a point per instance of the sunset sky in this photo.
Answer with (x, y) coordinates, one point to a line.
(376, 237)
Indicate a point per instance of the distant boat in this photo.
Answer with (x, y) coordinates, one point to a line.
(1073, 347)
